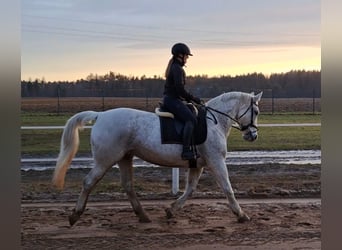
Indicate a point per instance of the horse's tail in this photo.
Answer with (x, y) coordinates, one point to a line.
(69, 144)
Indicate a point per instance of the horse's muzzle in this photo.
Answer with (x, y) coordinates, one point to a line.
(250, 136)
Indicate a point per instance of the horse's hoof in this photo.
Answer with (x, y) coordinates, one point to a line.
(73, 218)
(243, 218)
(169, 214)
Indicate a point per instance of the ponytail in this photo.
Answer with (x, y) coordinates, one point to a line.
(169, 66)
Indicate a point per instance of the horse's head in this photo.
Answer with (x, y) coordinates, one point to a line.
(248, 117)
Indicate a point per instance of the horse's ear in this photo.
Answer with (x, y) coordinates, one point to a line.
(257, 97)
(252, 93)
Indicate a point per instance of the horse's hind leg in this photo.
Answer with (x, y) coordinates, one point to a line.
(93, 177)
(126, 173)
(193, 177)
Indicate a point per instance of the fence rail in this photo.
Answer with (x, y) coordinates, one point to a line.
(77, 104)
(259, 125)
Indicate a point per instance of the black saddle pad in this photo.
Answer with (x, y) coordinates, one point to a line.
(172, 129)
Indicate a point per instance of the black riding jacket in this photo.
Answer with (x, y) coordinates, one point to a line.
(175, 81)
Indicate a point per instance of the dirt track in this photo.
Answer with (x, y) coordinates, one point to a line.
(202, 223)
(289, 217)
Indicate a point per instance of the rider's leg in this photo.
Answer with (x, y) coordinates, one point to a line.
(188, 152)
(183, 113)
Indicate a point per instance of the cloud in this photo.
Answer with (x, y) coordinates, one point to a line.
(125, 28)
(225, 23)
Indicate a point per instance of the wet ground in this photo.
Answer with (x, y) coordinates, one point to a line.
(298, 157)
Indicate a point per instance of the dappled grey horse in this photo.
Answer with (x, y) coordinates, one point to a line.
(119, 134)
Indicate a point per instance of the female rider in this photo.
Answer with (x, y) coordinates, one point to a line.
(175, 94)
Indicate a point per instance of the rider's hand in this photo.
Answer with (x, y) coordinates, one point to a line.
(197, 100)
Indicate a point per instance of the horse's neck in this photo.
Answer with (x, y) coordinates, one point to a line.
(227, 103)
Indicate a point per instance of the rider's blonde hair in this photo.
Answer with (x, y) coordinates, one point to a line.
(167, 71)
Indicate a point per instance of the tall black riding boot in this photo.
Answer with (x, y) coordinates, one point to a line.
(188, 152)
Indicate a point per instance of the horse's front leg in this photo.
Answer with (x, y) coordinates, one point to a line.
(220, 172)
(193, 177)
(126, 174)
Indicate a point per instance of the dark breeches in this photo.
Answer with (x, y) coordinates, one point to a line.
(179, 109)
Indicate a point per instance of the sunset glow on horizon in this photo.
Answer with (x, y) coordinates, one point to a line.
(204, 62)
(67, 41)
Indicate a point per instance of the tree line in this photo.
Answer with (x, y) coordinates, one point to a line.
(292, 84)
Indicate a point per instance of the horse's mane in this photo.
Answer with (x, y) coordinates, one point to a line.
(226, 97)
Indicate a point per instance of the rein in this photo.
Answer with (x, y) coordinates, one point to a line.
(240, 127)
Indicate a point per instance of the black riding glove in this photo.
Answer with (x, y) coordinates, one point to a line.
(197, 100)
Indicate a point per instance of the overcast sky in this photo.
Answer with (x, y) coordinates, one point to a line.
(68, 40)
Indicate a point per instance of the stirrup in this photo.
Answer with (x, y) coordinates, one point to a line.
(188, 155)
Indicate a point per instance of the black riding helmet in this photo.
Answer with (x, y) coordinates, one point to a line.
(180, 48)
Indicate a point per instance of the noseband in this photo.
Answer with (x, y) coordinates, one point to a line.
(240, 127)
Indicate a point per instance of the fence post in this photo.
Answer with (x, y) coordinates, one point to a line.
(103, 94)
(272, 101)
(58, 95)
(146, 98)
(313, 101)
(175, 180)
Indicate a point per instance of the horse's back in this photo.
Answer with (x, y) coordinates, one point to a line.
(116, 115)
(123, 121)
(125, 112)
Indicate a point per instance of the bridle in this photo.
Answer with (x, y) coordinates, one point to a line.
(240, 126)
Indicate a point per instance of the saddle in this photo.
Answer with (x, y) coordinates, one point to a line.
(172, 129)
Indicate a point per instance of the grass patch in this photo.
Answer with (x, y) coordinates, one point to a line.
(47, 142)
(278, 138)
(48, 119)
(43, 119)
(289, 118)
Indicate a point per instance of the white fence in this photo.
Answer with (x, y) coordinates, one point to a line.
(259, 125)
